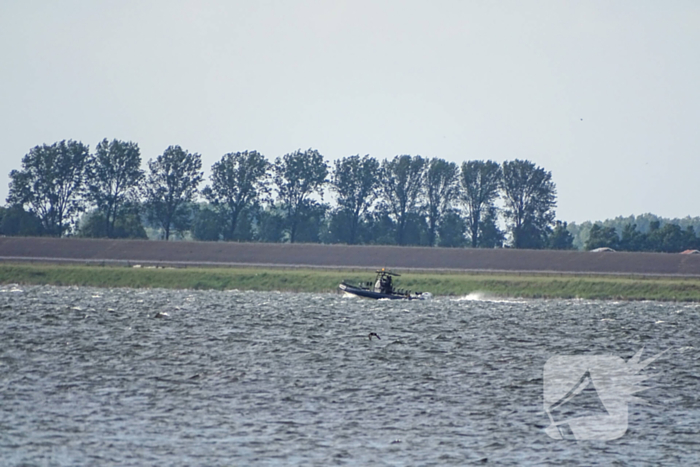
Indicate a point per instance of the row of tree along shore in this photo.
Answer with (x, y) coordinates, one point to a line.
(65, 189)
(669, 237)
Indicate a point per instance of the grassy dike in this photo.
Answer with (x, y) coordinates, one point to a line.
(317, 280)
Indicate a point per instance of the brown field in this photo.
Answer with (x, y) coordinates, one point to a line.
(181, 253)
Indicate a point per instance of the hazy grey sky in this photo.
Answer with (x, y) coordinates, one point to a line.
(604, 94)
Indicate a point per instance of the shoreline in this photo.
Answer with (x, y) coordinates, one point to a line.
(325, 280)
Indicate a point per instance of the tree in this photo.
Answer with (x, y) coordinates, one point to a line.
(633, 230)
(207, 225)
(561, 238)
(400, 187)
(337, 228)
(690, 239)
(415, 230)
(441, 179)
(490, 236)
(236, 182)
(311, 221)
(270, 224)
(354, 180)
(672, 238)
(51, 184)
(15, 221)
(113, 176)
(297, 176)
(380, 228)
(245, 228)
(631, 239)
(654, 237)
(171, 187)
(602, 237)
(480, 182)
(530, 199)
(451, 230)
(127, 225)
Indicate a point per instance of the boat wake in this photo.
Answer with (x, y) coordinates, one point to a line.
(483, 297)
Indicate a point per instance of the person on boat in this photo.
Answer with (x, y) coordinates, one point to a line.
(387, 285)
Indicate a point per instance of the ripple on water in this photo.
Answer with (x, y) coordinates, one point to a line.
(100, 376)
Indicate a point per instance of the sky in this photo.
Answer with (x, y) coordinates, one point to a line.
(605, 95)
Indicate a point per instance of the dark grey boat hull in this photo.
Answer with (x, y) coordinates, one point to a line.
(360, 292)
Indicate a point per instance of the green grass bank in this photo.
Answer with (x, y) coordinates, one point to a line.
(316, 280)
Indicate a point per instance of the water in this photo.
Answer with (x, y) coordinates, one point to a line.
(154, 377)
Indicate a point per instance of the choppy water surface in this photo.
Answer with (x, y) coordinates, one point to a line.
(94, 377)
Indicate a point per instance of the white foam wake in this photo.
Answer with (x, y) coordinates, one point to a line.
(483, 297)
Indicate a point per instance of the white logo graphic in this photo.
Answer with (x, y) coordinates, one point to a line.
(586, 396)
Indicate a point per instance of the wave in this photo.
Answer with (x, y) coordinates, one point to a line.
(484, 297)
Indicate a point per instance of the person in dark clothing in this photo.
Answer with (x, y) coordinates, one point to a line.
(386, 285)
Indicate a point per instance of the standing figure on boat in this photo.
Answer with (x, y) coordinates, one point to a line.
(386, 285)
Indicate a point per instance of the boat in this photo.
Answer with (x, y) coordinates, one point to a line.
(382, 287)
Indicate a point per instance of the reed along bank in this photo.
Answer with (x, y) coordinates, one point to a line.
(525, 285)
